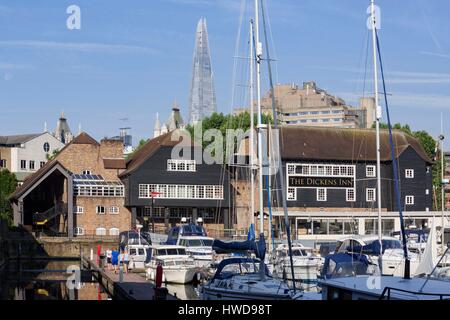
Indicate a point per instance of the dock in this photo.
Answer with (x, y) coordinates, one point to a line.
(133, 286)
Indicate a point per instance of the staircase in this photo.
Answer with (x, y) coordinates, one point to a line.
(46, 220)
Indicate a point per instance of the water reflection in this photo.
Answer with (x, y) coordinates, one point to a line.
(46, 280)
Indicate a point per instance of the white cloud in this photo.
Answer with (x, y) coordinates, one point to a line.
(78, 46)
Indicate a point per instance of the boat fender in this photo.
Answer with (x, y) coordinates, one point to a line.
(159, 276)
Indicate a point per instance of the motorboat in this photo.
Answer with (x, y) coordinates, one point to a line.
(306, 264)
(137, 247)
(194, 238)
(178, 266)
(392, 256)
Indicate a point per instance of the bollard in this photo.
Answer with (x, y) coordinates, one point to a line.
(92, 254)
(121, 273)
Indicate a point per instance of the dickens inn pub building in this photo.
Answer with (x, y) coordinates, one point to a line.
(330, 177)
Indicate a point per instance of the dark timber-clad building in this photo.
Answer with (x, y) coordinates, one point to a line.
(331, 182)
(180, 186)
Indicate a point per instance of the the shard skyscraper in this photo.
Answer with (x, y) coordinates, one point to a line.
(202, 101)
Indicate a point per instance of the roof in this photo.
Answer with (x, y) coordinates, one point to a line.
(84, 138)
(30, 180)
(114, 163)
(343, 144)
(153, 145)
(17, 139)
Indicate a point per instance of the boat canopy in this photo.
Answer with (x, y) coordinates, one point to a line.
(344, 265)
(259, 248)
(373, 247)
(221, 274)
(131, 237)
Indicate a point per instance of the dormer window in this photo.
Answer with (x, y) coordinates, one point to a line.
(181, 165)
(86, 172)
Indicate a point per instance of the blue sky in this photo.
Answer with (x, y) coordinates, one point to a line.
(131, 59)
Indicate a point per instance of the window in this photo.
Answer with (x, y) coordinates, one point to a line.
(350, 195)
(321, 194)
(86, 172)
(78, 231)
(78, 209)
(370, 194)
(409, 200)
(409, 173)
(181, 165)
(100, 231)
(2, 163)
(42, 163)
(100, 210)
(114, 232)
(23, 164)
(173, 191)
(370, 171)
(31, 165)
(114, 210)
(46, 147)
(292, 194)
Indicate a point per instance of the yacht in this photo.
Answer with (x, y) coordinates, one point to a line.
(137, 247)
(392, 255)
(194, 238)
(306, 264)
(178, 266)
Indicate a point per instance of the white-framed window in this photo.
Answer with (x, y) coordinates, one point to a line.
(2, 163)
(114, 189)
(370, 171)
(100, 231)
(409, 173)
(78, 209)
(114, 210)
(114, 231)
(174, 191)
(23, 164)
(100, 210)
(78, 231)
(328, 170)
(42, 163)
(31, 165)
(350, 195)
(409, 200)
(181, 165)
(371, 194)
(86, 172)
(321, 194)
(292, 194)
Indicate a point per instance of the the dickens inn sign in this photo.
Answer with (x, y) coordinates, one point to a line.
(320, 182)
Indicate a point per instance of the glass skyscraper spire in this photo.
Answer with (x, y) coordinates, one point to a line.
(202, 101)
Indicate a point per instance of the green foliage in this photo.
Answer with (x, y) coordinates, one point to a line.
(8, 183)
(53, 155)
(140, 145)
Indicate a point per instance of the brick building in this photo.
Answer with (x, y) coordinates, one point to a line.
(76, 193)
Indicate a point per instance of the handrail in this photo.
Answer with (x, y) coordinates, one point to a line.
(389, 289)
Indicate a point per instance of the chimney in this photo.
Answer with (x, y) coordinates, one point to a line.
(111, 148)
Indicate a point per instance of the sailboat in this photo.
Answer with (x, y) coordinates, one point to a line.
(369, 287)
(248, 277)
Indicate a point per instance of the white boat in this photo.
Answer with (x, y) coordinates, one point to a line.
(200, 248)
(306, 264)
(244, 279)
(392, 256)
(137, 247)
(178, 266)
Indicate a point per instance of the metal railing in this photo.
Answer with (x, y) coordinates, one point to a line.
(387, 293)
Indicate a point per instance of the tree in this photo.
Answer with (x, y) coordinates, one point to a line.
(53, 155)
(139, 146)
(8, 183)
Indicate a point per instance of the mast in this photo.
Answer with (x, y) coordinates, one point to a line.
(377, 125)
(441, 139)
(252, 128)
(260, 126)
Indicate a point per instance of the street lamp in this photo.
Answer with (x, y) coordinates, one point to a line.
(153, 194)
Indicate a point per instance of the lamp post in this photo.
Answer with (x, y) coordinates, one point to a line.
(441, 140)
(153, 194)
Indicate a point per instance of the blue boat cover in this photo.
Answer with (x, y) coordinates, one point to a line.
(344, 264)
(259, 248)
(251, 233)
(226, 274)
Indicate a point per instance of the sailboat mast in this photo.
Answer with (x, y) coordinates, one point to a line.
(377, 124)
(252, 129)
(258, 97)
(441, 138)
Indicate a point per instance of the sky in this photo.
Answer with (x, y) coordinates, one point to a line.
(132, 59)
